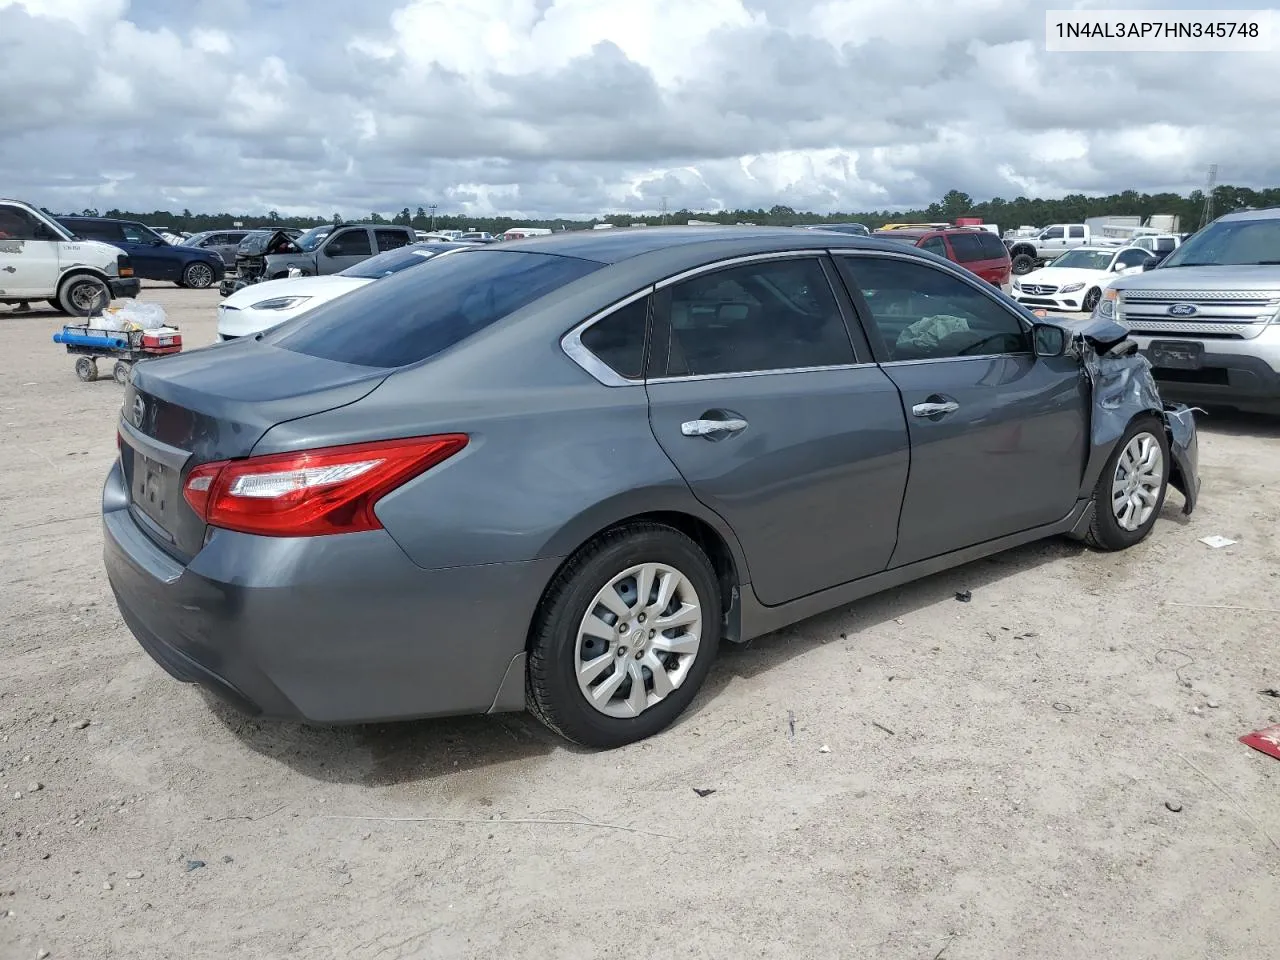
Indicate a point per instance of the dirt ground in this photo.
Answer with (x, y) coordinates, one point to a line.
(988, 779)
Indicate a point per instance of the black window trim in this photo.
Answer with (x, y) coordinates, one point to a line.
(872, 332)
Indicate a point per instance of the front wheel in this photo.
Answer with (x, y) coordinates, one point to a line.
(1132, 487)
(83, 296)
(624, 637)
(120, 372)
(86, 369)
(1091, 299)
(197, 276)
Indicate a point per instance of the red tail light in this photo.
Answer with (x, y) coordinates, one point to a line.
(312, 492)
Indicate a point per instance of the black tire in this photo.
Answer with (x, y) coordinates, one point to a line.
(1106, 531)
(1023, 264)
(197, 275)
(553, 695)
(1091, 299)
(86, 369)
(83, 296)
(120, 372)
(55, 304)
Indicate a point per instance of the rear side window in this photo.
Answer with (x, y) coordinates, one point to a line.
(618, 339)
(91, 230)
(935, 245)
(415, 314)
(993, 247)
(968, 247)
(390, 239)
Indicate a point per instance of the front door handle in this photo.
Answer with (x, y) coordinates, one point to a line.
(934, 408)
(712, 428)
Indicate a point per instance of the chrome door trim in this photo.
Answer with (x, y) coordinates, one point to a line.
(573, 347)
(816, 252)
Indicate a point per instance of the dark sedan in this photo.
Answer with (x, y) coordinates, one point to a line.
(152, 256)
(557, 473)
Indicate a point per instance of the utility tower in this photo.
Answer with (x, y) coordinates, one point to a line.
(662, 209)
(432, 208)
(1206, 215)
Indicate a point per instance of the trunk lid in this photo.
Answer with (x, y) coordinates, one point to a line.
(216, 404)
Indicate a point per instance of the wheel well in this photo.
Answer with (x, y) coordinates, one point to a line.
(1018, 249)
(710, 542)
(81, 272)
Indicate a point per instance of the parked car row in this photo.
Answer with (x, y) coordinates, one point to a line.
(152, 256)
(437, 453)
(978, 250)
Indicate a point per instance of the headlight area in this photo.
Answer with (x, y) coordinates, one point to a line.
(1107, 305)
(279, 303)
(1072, 288)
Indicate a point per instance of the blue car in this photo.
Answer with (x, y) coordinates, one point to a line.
(152, 257)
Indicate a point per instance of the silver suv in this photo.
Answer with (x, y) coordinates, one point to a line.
(1206, 317)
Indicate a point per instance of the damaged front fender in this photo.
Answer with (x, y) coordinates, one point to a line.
(1123, 388)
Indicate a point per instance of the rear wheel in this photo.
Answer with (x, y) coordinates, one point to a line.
(197, 276)
(624, 637)
(120, 372)
(86, 369)
(1023, 264)
(1132, 487)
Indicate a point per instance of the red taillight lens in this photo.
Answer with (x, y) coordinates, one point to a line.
(312, 492)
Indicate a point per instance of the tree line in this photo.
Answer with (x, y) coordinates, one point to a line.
(1006, 213)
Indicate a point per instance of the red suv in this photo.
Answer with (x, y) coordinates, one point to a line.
(975, 249)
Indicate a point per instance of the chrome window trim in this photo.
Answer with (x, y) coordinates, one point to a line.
(816, 252)
(950, 270)
(573, 347)
(688, 378)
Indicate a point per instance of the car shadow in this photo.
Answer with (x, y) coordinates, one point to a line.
(1235, 423)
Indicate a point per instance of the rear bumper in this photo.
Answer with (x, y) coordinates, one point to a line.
(343, 629)
(126, 288)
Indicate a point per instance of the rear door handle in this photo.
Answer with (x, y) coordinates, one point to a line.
(712, 428)
(934, 408)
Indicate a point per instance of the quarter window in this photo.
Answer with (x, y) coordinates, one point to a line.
(922, 313)
(935, 245)
(771, 315)
(350, 243)
(618, 339)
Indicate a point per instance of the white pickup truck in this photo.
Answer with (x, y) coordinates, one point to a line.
(1029, 253)
(40, 260)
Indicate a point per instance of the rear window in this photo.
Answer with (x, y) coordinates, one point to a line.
(993, 247)
(415, 314)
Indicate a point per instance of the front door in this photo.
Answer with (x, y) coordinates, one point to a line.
(28, 255)
(344, 248)
(152, 257)
(998, 436)
(757, 397)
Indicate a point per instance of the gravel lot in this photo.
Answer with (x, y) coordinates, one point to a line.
(990, 779)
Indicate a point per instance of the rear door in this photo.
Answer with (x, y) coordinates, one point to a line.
(345, 247)
(998, 436)
(152, 257)
(778, 421)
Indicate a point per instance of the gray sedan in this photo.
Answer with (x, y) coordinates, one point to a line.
(556, 474)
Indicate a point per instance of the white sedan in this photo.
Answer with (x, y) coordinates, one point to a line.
(1075, 280)
(261, 306)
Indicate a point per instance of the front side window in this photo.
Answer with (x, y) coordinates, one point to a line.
(415, 314)
(17, 224)
(1132, 258)
(137, 233)
(921, 313)
(618, 339)
(349, 243)
(1053, 233)
(771, 315)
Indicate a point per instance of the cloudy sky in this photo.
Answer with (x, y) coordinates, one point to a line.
(582, 107)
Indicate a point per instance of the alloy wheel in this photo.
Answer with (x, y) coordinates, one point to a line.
(638, 640)
(1138, 479)
(199, 276)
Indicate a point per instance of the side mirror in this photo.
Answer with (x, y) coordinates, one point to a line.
(1048, 340)
(1150, 263)
(1120, 267)
(157, 242)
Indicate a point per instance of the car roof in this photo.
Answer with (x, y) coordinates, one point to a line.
(1265, 213)
(698, 243)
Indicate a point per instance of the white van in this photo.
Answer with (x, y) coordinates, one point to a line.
(40, 260)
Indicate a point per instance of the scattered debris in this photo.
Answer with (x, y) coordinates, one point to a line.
(964, 596)
(227, 858)
(194, 865)
(1266, 740)
(1221, 606)
(1064, 707)
(133, 875)
(1216, 542)
(1270, 692)
(35, 786)
(107, 885)
(704, 791)
(1177, 671)
(17, 794)
(41, 954)
(1213, 704)
(824, 749)
(791, 725)
(81, 724)
(1026, 636)
(1274, 731)
(881, 726)
(1173, 806)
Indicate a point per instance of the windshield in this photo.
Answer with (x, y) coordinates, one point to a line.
(418, 313)
(1085, 260)
(1230, 243)
(393, 261)
(313, 237)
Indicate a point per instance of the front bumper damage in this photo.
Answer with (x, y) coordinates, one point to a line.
(1124, 388)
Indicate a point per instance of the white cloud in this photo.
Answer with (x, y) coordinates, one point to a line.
(573, 107)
